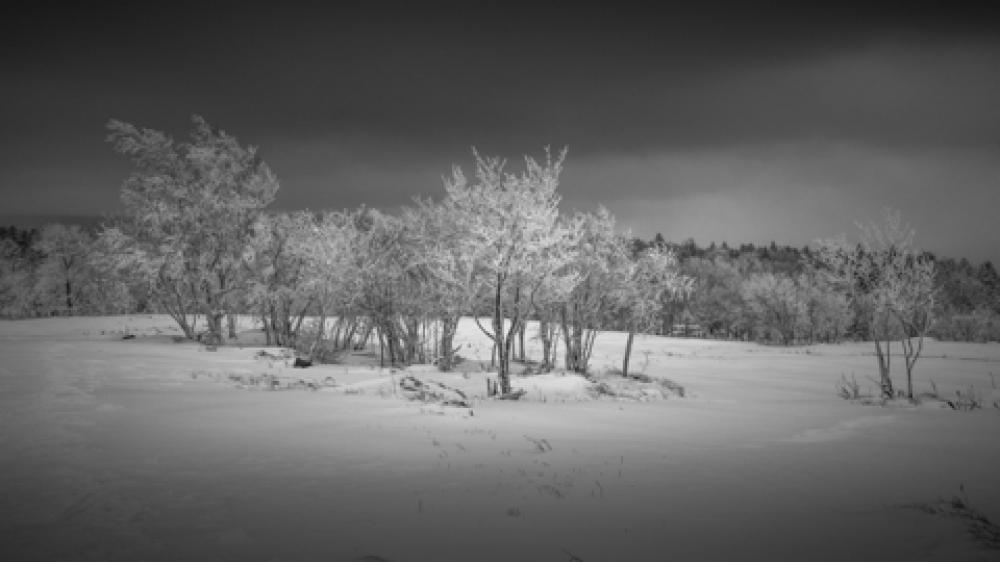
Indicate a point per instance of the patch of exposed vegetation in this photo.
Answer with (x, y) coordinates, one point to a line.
(635, 386)
(983, 531)
(433, 391)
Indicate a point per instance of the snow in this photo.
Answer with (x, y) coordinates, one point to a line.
(146, 449)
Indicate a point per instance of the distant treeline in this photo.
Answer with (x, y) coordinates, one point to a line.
(50, 271)
(967, 303)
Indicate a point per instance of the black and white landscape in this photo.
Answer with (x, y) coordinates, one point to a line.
(405, 283)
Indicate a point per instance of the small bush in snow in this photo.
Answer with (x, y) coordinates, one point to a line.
(966, 402)
(848, 389)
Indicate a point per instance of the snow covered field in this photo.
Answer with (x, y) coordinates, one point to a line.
(146, 449)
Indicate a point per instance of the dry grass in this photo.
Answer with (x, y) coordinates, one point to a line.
(983, 531)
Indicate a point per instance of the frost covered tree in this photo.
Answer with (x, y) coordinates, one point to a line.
(650, 279)
(716, 300)
(190, 208)
(18, 276)
(369, 265)
(65, 268)
(406, 277)
(776, 304)
(513, 221)
(279, 287)
(912, 293)
(334, 261)
(445, 252)
(827, 311)
(892, 283)
(597, 266)
(862, 275)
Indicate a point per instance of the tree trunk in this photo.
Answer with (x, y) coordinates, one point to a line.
(214, 320)
(628, 352)
(555, 351)
(436, 335)
(413, 341)
(884, 358)
(911, 353)
(520, 342)
(423, 341)
(909, 378)
(296, 328)
(176, 311)
(587, 350)
(503, 364)
(545, 335)
(508, 341)
(381, 347)
(349, 333)
(275, 324)
(268, 329)
(338, 342)
(572, 337)
(186, 328)
(388, 332)
(509, 347)
(447, 352)
(231, 320)
(320, 332)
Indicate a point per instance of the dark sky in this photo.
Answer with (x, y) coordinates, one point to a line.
(715, 123)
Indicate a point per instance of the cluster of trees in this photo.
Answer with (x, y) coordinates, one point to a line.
(783, 295)
(197, 242)
(892, 288)
(969, 301)
(56, 270)
(750, 298)
(882, 289)
(967, 296)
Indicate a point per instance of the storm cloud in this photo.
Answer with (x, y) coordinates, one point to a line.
(722, 124)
